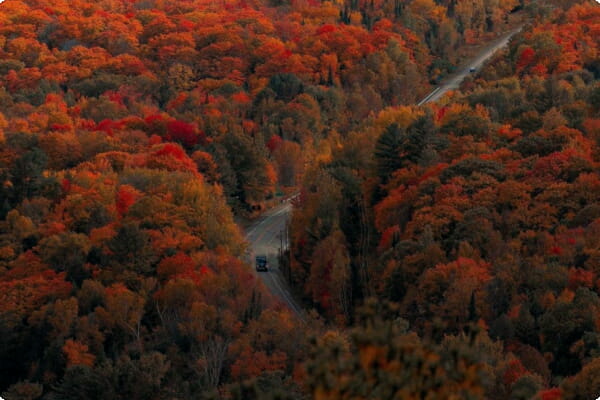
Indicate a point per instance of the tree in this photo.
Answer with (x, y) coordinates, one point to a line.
(124, 309)
(585, 384)
(251, 167)
(563, 325)
(23, 391)
(67, 252)
(382, 360)
(288, 156)
(77, 353)
(329, 280)
(396, 148)
(446, 291)
(141, 378)
(207, 166)
(131, 250)
(27, 175)
(286, 86)
(185, 133)
(85, 383)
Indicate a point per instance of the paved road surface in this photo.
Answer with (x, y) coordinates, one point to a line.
(264, 237)
(454, 80)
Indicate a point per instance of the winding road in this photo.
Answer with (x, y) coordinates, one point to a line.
(266, 234)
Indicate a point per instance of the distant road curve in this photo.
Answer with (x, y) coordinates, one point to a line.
(453, 81)
(264, 236)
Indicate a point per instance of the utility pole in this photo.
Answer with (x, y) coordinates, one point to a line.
(280, 251)
(289, 253)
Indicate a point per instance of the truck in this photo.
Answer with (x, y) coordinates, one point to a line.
(261, 263)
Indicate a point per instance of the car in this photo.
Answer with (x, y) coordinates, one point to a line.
(472, 69)
(261, 263)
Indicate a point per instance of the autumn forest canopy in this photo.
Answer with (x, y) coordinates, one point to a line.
(443, 251)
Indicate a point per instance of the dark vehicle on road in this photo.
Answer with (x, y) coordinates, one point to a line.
(472, 69)
(262, 263)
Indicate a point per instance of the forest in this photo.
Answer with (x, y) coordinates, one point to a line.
(443, 251)
(477, 217)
